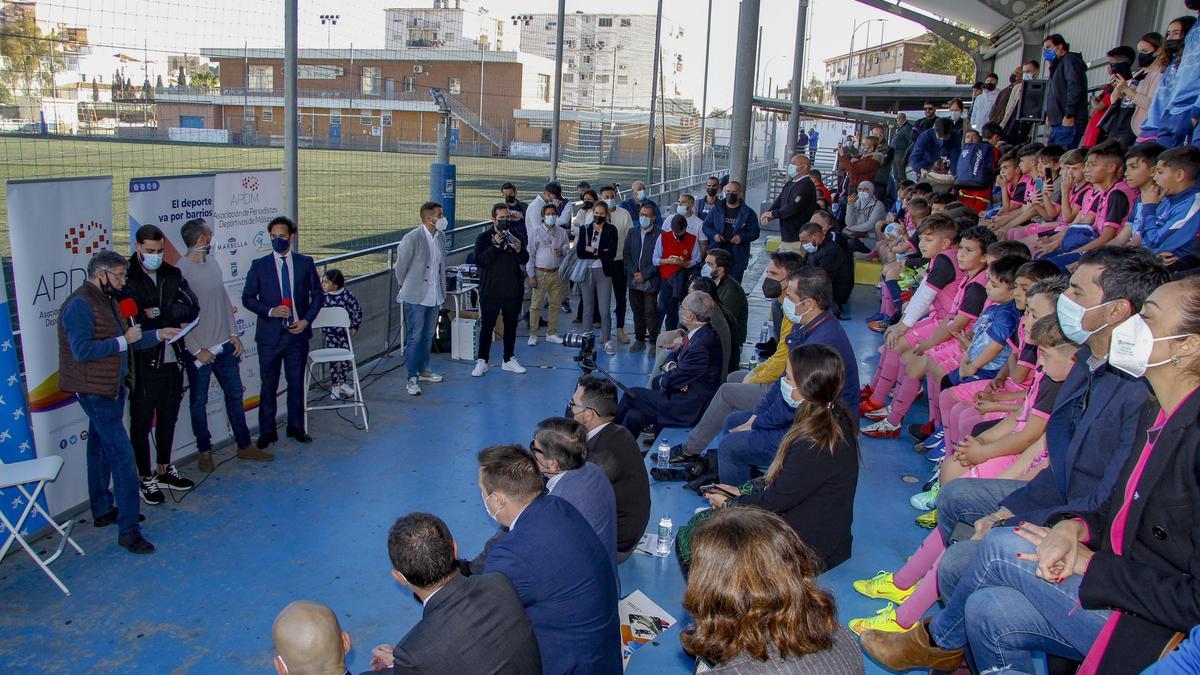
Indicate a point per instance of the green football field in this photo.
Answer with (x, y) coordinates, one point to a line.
(348, 199)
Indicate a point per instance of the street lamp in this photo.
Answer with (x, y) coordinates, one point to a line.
(850, 64)
(329, 21)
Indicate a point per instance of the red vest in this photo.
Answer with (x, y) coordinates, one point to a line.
(672, 246)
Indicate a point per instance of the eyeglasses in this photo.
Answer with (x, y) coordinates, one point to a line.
(534, 449)
(114, 275)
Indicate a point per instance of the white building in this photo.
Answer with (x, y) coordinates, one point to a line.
(608, 59)
(446, 25)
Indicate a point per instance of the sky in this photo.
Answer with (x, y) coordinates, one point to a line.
(177, 26)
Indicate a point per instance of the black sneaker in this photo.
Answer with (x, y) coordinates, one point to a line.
(151, 494)
(566, 306)
(173, 480)
(110, 518)
(680, 455)
(135, 543)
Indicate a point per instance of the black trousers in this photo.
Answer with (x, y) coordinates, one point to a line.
(291, 356)
(645, 314)
(157, 393)
(491, 309)
(618, 291)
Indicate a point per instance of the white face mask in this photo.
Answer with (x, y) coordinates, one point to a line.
(681, 209)
(549, 220)
(864, 196)
(792, 170)
(645, 221)
(956, 115)
(152, 261)
(706, 272)
(1070, 319)
(1131, 344)
(787, 390)
(809, 248)
(489, 511)
(1026, 77)
(789, 310)
(641, 195)
(441, 224)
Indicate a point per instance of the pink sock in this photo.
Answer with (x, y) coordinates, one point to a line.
(888, 306)
(885, 376)
(906, 393)
(911, 610)
(946, 402)
(952, 424)
(920, 563)
(934, 390)
(968, 421)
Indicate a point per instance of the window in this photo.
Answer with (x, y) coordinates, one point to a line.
(335, 117)
(606, 22)
(387, 119)
(569, 44)
(626, 23)
(261, 78)
(622, 79)
(455, 85)
(365, 120)
(568, 78)
(249, 114)
(585, 93)
(268, 115)
(372, 78)
(602, 79)
(410, 84)
(543, 86)
(587, 58)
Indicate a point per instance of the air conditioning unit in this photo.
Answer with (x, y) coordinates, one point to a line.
(419, 70)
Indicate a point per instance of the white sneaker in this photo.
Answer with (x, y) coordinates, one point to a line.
(554, 338)
(428, 375)
(347, 390)
(532, 340)
(512, 366)
(335, 393)
(481, 367)
(414, 388)
(610, 348)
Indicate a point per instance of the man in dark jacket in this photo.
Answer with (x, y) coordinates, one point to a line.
(1066, 102)
(163, 299)
(470, 624)
(902, 140)
(93, 342)
(717, 266)
(795, 204)
(642, 279)
(732, 225)
(940, 142)
(500, 256)
(822, 252)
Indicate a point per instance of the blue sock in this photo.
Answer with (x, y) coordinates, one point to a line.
(893, 289)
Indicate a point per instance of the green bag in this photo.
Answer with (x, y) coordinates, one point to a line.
(683, 540)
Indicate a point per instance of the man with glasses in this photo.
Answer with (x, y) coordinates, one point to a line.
(93, 348)
(560, 449)
(926, 122)
(283, 289)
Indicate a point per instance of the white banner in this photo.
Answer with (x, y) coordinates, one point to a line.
(55, 227)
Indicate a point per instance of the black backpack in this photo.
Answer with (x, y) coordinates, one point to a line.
(441, 333)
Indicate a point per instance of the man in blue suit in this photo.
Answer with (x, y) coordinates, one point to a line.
(556, 563)
(732, 225)
(691, 375)
(932, 145)
(282, 288)
(560, 449)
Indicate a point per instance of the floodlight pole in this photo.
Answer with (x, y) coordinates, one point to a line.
(558, 63)
(793, 127)
(290, 113)
(653, 94)
(743, 92)
(704, 98)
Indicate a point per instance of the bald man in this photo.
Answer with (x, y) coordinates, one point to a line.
(309, 641)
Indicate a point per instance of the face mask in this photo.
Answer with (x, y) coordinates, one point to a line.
(588, 204)
(1049, 55)
(864, 196)
(641, 194)
(771, 289)
(706, 271)
(106, 286)
(809, 248)
(1070, 318)
(789, 310)
(599, 220)
(280, 246)
(680, 209)
(787, 390)
(1025, 77)
(645, 220)
(712, 192)
(503, 225)
(1131, 344)
(1172, 45)
(684, 322)
(510, 199)
(989, 86)
(489, 511)
(441, 224)
(152, 261)
(1144, 60)
(202, 250)
(1193, 5)
(612, 204)
(1012, 79)
(956, 115)
(732, 199)
(792, 170)
(679, 235)
(549, 220)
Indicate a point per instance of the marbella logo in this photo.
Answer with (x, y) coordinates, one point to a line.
(86, 238)
(250, 183)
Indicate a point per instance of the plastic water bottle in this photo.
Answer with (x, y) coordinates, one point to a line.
(458, 279)
(752, 362)
(664, 535)
(664, 454)
(765, 333)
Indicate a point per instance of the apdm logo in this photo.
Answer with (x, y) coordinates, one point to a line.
(250, 183)
(86, 238)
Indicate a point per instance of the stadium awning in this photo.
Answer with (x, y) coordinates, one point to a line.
(824, 112)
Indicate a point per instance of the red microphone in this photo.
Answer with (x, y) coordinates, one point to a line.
(128, 309)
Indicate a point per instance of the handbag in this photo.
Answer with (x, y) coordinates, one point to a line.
(566, 269)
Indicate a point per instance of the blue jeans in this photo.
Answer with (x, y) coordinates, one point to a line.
(668, 306)
(1006, 612)
(229, 377)
(419, 324)
(966, 501)
(110, 458)
(1067, 137)
(738, 453)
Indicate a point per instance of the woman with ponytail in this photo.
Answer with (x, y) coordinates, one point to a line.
(811, 482)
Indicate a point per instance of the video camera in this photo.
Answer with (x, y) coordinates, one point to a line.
(586, 344)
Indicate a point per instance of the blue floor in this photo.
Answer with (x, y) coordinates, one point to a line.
(313, 525)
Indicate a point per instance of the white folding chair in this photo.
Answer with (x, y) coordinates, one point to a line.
(335, 317)
(19, 474)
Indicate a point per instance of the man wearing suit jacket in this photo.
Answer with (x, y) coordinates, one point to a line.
(690, 377)
(282, 288)
(615, 451)
(560, 449)
(471, 624)
(555, 562)
(421, 275)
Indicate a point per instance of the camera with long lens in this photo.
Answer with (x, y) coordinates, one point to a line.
(586, 344)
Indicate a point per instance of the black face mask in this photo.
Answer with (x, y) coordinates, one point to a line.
(503, 225)
(771, 289)
(109, 290)
(1193, 5)
(712, 192)
(990, 86)
(1012, 79)
(1172, 45)
(1145, 60)
(588, 204)
(510, 199)
(732, 199)
(599, 220)
(679, 235)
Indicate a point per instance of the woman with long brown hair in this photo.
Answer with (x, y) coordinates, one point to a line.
(758, 609)
(812, 480)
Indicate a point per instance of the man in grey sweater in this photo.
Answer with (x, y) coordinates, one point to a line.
(214, 347)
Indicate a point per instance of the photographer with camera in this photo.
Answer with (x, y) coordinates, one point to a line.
(501, 257)
(690, 376)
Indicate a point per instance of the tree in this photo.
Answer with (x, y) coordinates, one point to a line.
(147, 91)
(205, 79)
(181, 79)
(158, 85)
(30, 59)
(95, 91)
(945, 58)
(814, 92)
